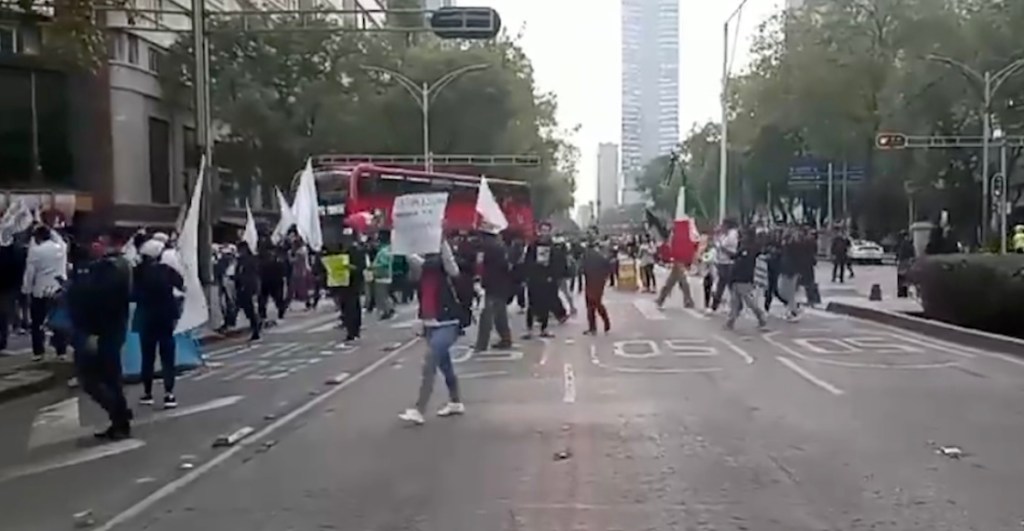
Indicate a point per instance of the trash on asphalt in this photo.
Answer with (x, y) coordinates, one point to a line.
(313, 392)
(267, 445)
(83, 519)
(187, 465)
(72, 382)
(562, 455)
(570, 341)
(391, 347)
(145, 480)
(952, 452)
(269, 416)
(233, 438)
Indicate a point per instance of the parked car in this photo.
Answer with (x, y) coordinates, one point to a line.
(864, 251)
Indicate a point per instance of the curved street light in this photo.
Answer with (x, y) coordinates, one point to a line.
(723, 169)
(990, 84)
(425, 94)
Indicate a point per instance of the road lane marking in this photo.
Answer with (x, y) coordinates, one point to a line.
(179, 483)
(75, 458)
(649, 310)
(569, 383)
(544, 351)
(327, 327)
(696, 314)
(809, 376)
(735, 348)
(304, 324)
(636, 370)
(769, 337)
(55, 423)
(481, 374)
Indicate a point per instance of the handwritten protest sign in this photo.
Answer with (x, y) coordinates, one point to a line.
(416, 223)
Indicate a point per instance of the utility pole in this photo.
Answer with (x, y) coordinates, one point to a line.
(831, 176)
(424, 94)
(723, 168)
(200, 55)
(990, 84)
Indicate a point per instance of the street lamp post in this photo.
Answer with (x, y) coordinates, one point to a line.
(723, 169)
(990, 85)
(424, 94)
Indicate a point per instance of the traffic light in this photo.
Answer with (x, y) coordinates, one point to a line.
(891, 141)
(465, 23)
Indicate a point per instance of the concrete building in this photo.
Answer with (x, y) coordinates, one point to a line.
(650, 86)
(585, 215)
(607, 177)
(437, 4)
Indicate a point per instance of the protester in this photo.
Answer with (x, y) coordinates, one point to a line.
(647, 252)
(97, 305)
(12, 271)
(726, 244)
(247, 288)
(741, 282)
(565, 268)
(542, 274)
(596, 269)
(273, 264)
(497, 284)
(46, 269)
(440, 310)
(840, 257)
(157, 312)
(383, 271)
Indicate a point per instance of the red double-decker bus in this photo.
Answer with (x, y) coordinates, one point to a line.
(347, 189)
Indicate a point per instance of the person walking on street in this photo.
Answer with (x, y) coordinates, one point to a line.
(1018, 239)
(741, 283)
(840, 257)
(596, 269)
(46, 269)
(497, 284)
(383, 272)
(273, 275)
(440, 310)
(97, 300)
(542, 273)
(247, 288)
(157, 312)
(726, 244)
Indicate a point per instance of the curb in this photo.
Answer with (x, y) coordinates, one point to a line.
(935, 329)
(50, 377)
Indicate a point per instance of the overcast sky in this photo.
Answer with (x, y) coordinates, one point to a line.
(574, 45)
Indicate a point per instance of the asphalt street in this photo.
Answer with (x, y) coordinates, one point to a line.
(668, 423)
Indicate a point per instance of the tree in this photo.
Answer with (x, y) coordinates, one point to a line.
(286, 96)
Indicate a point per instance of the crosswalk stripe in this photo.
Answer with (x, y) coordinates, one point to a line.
(649, 310)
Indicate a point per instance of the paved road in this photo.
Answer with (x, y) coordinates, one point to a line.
(668, 423)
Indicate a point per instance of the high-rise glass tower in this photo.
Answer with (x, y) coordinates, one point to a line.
(650, 86)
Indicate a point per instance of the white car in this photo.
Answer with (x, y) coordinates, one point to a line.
(866, 251)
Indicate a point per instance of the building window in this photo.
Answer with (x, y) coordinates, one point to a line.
(8, 40)
(153, 59)
(133, 49)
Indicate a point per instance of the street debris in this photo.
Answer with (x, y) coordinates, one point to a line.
(952, 452)
(570, 341)
(269, 416)
(392, 347)
(83, 519)
(267, 445)
(143, 481)
(233, 438)
(72, 382)
(186, 466)
(336, 380)
(562, 455)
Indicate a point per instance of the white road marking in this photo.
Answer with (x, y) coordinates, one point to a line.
(248, 367)
(55, 423)
(544, 352)
(216, 403)
(200, 471)
(481, 374)
(74, 458)
(735, 348)
(696, 314)
(280, 350)
(569, 383)
(810, 377)
(634, 370)
(649, 310)
(327, 327)
(769, 337)
(226, 352)
(305, 323)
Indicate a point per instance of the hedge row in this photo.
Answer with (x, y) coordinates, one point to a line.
(979, 291)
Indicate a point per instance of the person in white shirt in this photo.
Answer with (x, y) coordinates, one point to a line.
(46, 270)
(727, 243)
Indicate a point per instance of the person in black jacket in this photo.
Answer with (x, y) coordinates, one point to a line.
(12, 269)
(349, 297)
(741, 282)
(247, 287)
(497, 284)
(157, 312)
(544, 267)
(273, 273)
(97, 299)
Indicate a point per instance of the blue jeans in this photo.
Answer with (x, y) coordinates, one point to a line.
(439, 356)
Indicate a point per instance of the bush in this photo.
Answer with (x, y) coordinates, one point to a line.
(979, 291)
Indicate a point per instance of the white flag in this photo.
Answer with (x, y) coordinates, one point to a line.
(195, 311)
(307, 209)
(250, 236)
(490, 213)
(287, 220)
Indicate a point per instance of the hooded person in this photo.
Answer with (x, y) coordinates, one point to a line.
(544, 265)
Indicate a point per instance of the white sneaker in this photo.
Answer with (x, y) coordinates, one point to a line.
(452, 408)
(413, 415)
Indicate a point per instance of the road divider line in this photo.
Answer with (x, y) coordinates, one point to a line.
(83, 456)
(735, 348)
(481, 374)
(649, 310)
(544, 351)
(304, 324)
(177, 484)
(809, 376)
(569, 384)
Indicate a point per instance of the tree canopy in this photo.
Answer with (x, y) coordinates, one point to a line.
(826, 79)
(278, 98)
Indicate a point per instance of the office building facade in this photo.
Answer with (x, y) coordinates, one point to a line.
(650, 86)
(607, 176)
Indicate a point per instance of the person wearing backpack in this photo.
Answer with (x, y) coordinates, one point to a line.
(97, 300)
(156, 314)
